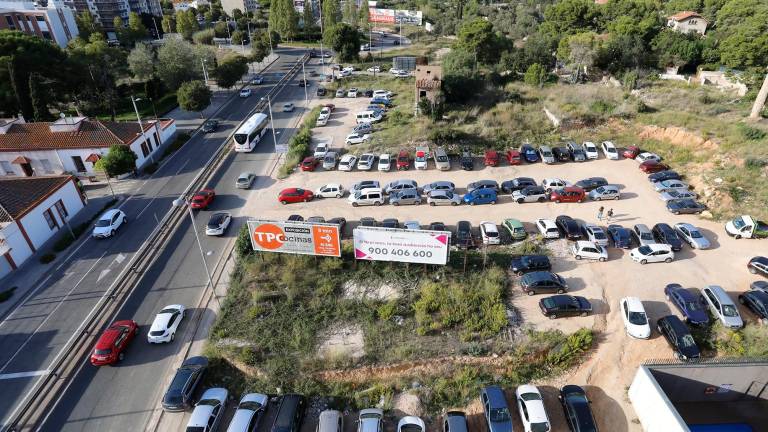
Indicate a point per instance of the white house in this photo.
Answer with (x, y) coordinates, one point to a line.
(687, 22)
(32, 210)
(73, 144)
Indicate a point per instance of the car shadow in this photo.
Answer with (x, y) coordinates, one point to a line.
(575, 284)
(604, 407)
(712, 237)
(655, 310)
(599, 306)
(563, 265)
(621, 217)
(627, 196)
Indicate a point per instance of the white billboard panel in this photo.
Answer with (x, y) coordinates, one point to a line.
(399, 245)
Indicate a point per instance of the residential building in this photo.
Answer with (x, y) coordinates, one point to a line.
(54, 22)
(74, 144)
(183, 5)
(429, 81)
(687, 22)
(244, 5)
(32, 210)
(105, 11)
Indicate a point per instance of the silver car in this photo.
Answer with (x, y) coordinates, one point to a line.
(439, 185)
(443, 197)
(691, 235)
(365, 184)
(530, 194)
(329, 161)
(546, 154)
(483, 184)
(643, 235)
(722, 306)
(676, 194)
(405, 197)
(668, 185)
(245, 180)
(605, 193)
(399, 185)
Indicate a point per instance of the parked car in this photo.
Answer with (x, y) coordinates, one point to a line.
(664, 175)
(370, 420)
(543, 281)
(531, 407)
(483, 184)
(586, 249)
(529, 263)
(368, 222)
(245, 180)
(340, 93)
(249, 413)
(594, 234)
(575, 404)
(290, 413)
(605, 193)
(330, 190)
(667, 185)
(530, 194)
(411, 424)
(294, 195)
(652, 166)
(747, 227)
(398, 185)
(464, 239)
(546, 154)
(591, 183)
(652, 253)
(202, 199)
(209, 410)
(385, 162)
(495, 409)
(366, 162)
(513, 157)
(517, 183)
(108, 223)
(352, 92)
(758, 264)
(480, 196)
(421, 158)
(364, 128)
(296, 218)
(642, 235)
(576, 151)
(621, 237)
(371, 196)
(609, 150)
(491, 158)
(691, 235)
(529, 153)
(590, 150)
(722, 306)
(551, 184)
(357, 138)
(365, 184)
(412, 225)
(443, 197)
(685, 206)
(454, 421)
(663, 233)
(437, 226)
(677, 194)
(570, 194)
(210, 126)
(759, 286)
(180, 393)
(442, 162)
(561, 305)
(316, 219)
(244, 93)
(403, 160)
(687, 303)
(489, 233)
(466, 160)
(382, 94)
(439, 185)
(111, 345)
(570, 228)
(390, 223)
(405, 197)
(218, 223)
(635, 319)
(631, 152)
(515, 228)
(647, 156)
(329, 160)
(547, 228)
(678, 337)
(308, 164)
(347, 162)
(561, 154)
(321, 91)
(756, 301)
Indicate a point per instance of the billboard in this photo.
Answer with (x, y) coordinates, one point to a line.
(305, 238)
(394, 16)
(411, 246)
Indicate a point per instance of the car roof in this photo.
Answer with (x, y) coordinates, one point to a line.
(489, 226)
(585, 243)
(411, 420)
(495, 396)
(328, 420)
(548, 223)
(200, 416)
(634, 304)
(457, 421)
(109, 214)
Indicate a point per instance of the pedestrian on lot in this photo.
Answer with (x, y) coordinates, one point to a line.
(609, 215)
(600, 213)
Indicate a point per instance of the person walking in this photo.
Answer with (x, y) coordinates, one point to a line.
(600, 213)
(609, 215)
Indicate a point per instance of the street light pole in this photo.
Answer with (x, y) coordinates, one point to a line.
(205, 74)
(271, 120)
(157, 32)
(322, 57)
(181, 202)
(141, 127)
(306, 95)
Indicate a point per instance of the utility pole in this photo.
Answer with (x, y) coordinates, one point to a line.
(141, 128)
(157, 32)
(306, 95)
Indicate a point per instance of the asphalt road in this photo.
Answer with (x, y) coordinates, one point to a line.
(120, 398)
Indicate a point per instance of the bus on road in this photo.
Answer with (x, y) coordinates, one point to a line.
(251, 132)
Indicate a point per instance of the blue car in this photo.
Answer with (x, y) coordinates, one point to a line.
(495, 409)
(621, 237)
(481, 196)
(529, 153)
(382, 101)
(687, 303)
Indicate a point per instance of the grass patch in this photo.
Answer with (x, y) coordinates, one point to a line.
(299, 145)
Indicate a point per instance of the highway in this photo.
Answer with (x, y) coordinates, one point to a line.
(122, 397)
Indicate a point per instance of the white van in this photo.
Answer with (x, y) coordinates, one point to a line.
(369, 196)
(367, 117)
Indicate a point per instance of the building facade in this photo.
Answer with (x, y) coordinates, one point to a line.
(244, 5)
(429, 81)
(32, 210)
(74, 145)
(54, 22)
(105, 11)
(687, 22)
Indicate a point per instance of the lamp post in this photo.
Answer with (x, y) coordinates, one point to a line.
(181, 202)
(322, 57)
(306, 96)
(271, 121)
(205, 74)
(141, 127)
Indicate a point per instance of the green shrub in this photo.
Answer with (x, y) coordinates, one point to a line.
(574, 346)
(243, 246)
(601, 107)
(751, 133)
(457, 390)
(45, 259)
(387, 310)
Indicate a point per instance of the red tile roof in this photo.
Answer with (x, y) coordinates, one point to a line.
(20, 195)
(90, 134)
(684, 15)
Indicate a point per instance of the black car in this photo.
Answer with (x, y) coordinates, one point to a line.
(621, 237)
(564, 305)
(679, 337)
(437, 226)
(303, 83)
(576, 408)
(340, 221)
(467, 161)
(368, 222)
(179, 395)
(517, 183)
(464, 237)
(368, 93)
(483, 184)
(663, 233)
(561, 154)
(296, 218)
(591, 183)
(758, 264)
(316, 219)
(685, 206)
(210, 126)
(390, 223)
(569, 227)
(290, 413)
(757, 302)
(540, 281)
(528, 263)
(663, 175)
(321, 91)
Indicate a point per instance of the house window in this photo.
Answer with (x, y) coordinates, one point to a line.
(61, 209)
(47, 166)
(46, 34)
(11, 24)
(52, 224)
(692, 22)
(144, 149)
(40, 18)
(79, 165)
(7, 168)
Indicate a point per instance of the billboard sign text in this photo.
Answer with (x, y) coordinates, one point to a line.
(306, 238)
(394, 16)
(411, 246)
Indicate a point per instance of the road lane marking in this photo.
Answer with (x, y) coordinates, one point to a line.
(24, 374)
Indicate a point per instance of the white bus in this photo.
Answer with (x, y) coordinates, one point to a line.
(251, 132)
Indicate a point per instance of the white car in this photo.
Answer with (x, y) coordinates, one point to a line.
(490, 233)
(609, 150)
(288, 107)
(258, 79)
(209, 410)
(635, 318)
(402, 74)
(345, 72)
(349, 69)
(385, 162)
(244, 93)
(382, 94)
(251, 407)
(166, 324)
(320, 150)
(590, 149)
(108, 223)
(245, 180)
(357, 138)
(668, 185)
(352, 93)
(325, 113)
(366, 162)
(412, 225)
(551, 184)
(321, 121)
(347, 162)
(331, 190)
(420, 158)
(652, 253)
(411, 424)
(547, 228)
(218, 224)
(374, 69)
(531, 407)
(583, 249)
(395, 71)
(645, 156)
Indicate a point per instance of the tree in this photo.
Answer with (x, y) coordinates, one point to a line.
(364, 16)
(123, 35)
(308, 19)
(746, 46)
(345, 40)
(136, 27)
(204, 37)
(221, 29)
(186, 23)
(230, 70)
(579, 50)
(87, 25)
(168, 24)
(350, 12)
(98, 67)
(37, 94)
(572, 16)
(677, 49)
(536, 75)
(193, 96)
(284, 19)
(176, 63)
(259, 47)
(331, 13)
(120, 159)
(239, 37)
(478, 37)
(141, 62)
(460, 77)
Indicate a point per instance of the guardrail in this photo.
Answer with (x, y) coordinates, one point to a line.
(48, 390)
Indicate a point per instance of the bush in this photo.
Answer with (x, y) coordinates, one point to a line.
(751, 133)
(445, 135)
(601, 107)
(536, 75)
(243, 247)
(575, 345)
(204, 37)
(120, 159)
(45, 259)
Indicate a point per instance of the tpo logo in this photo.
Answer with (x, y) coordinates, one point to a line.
(269, 236)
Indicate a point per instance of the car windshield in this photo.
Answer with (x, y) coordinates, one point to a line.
(491, 233)
(442, 158)
(530, 397)
(411, 428)
(738, 223)
(548, 302)
(103, 352)
(599, 235)
(540, 427)
(195, 429)
(546, 153)
(369, 416)
(499, 415)
(645, 250)
(250, 405)
(646, 236)
(638, 318)
(695, 234)
(167, 311)
(730, 311)
(211, 402)
(687, 341)
(103, 222)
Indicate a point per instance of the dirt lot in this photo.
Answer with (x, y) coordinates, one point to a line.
(611, 368)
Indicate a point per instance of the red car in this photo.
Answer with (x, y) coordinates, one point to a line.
(651, 166)
(631, 152)
(330, 106)
(308, 164)
(570, 194)
(294, 195)
(202, 199)
(513, 157)
(491, 158)
(110, 348)
(403, 160)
